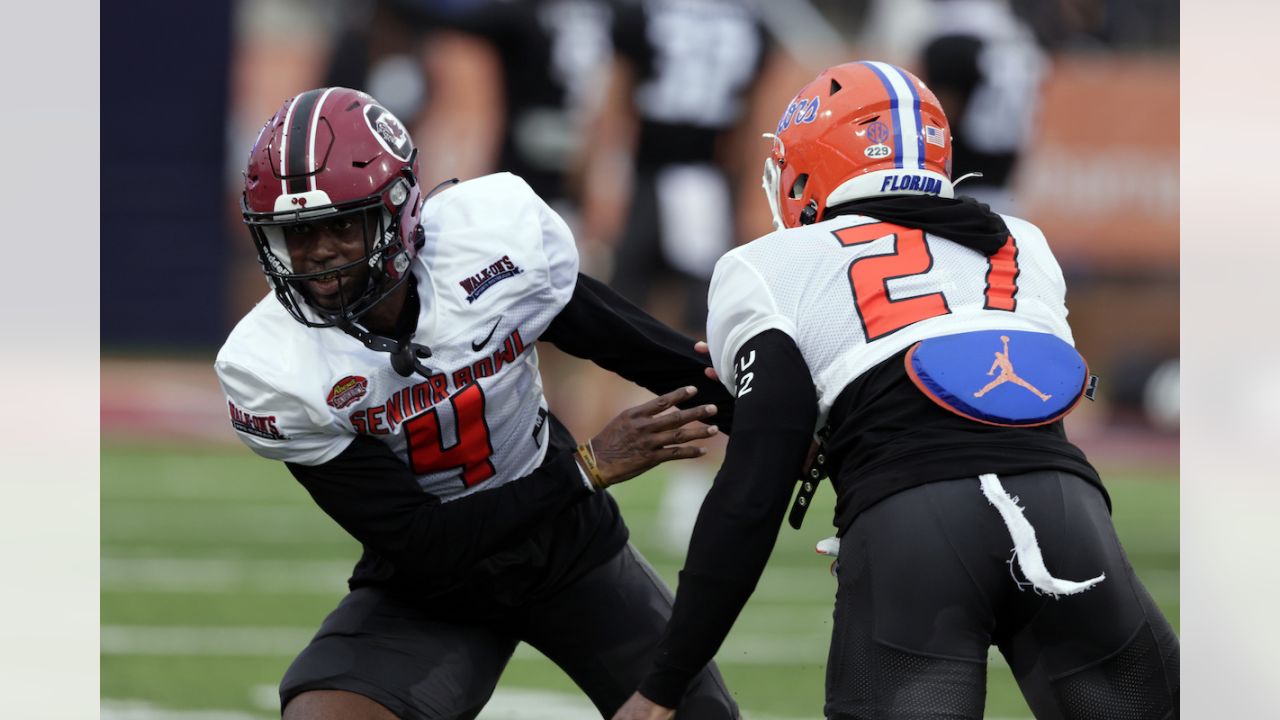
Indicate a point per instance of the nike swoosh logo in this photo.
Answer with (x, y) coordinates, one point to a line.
(475, 346)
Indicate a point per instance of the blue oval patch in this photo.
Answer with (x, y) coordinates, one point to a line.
(1000, 377)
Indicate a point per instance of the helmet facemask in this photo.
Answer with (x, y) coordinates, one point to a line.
(363, 282)
(772, 178)
(333, 161)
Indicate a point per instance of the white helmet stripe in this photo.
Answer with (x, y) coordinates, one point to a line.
(315, 121)
(293, 149)
(284, 148)
(908, 138)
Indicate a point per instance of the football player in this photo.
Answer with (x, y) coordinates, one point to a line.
(683, 79)
(392, 368)
(680, 85)
(515, 80)
(512, 84)
(985, 66)
(927, 338)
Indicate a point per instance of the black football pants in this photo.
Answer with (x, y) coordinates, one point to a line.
(601, 630)
(926, 587)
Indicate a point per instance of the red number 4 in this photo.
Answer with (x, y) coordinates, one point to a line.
(869, 278)
(471, 452)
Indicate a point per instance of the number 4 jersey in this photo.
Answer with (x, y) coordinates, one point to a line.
(855, 293)
(497, 267)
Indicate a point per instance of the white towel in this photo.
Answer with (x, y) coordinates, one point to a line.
(1025, 547)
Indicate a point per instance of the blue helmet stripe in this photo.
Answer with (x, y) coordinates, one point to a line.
(893, 107)
(906, 123)
(919, 126)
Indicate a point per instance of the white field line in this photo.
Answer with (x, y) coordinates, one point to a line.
(769, 605)
(283, 641)
(172, 574)
(528, 704)
(172, 486)
(179, 641)
(226, 576)
(142, 710)
(510, 703)
(507, 703)
(217, 523)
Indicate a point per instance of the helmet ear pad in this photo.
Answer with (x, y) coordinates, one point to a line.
(809, 215)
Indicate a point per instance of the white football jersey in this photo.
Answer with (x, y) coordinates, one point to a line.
(498, 265)
(853, 291)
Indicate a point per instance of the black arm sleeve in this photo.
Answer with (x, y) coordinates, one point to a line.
(374, 496)
(600, 325)
(739, 521)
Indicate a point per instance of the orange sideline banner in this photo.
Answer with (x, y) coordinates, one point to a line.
(1102, 179)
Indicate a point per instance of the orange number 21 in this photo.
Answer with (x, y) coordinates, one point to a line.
(869, 278)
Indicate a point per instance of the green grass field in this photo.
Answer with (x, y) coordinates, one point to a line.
(216, 569)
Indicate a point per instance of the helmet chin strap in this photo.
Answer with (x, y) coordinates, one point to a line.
(406, 355)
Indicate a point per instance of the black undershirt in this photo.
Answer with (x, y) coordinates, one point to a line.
(503, 546)
(886, 436)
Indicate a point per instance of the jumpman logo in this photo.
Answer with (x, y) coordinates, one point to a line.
(1007, 374)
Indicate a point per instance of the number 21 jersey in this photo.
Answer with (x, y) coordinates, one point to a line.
(497, 267)
(853, 291)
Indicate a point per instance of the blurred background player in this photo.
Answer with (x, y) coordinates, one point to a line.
(378, 46)
(513, 85)
(986, 68)
(661, 175)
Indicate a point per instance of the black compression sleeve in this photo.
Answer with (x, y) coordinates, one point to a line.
(737, 526)
(370, 492)
(600, 325)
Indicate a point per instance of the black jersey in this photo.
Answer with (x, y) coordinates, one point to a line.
(694, 63)
(552, 54)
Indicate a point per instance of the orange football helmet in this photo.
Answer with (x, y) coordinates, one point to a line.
(861, 129)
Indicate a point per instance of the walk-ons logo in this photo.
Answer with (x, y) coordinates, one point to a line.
(477, 284)
(263, 426)
(346, 391)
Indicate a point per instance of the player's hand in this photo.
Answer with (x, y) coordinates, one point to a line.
(639, 707)
(648, 435)
(702, 347)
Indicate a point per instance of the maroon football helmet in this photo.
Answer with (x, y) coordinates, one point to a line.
(334, 154)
